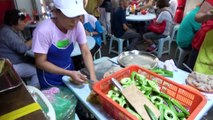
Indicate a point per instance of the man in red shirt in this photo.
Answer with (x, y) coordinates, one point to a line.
(205, 16)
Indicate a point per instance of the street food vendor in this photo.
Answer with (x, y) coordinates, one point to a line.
(53, 43)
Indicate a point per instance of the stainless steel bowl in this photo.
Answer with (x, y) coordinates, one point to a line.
(136, 57)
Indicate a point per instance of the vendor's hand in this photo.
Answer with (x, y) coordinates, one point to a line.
(91, 83)
(78, 78)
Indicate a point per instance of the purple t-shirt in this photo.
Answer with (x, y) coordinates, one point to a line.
(47, 33)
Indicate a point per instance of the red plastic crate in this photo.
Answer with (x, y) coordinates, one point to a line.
(191, 99)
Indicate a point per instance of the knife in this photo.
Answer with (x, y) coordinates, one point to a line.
(117, 84)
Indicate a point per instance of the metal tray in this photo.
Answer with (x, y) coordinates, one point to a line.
(136, 57)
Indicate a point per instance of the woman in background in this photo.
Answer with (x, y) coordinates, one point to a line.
(165, 14)
(13, 46)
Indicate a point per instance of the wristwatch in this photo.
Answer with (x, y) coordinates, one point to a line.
(91, 34)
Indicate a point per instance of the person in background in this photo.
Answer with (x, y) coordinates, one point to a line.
(92, 28)
(146, 4)
(105, 10)
(173, 6)
(120, 28)
(13, 46)
(151, 3)
(165, 14)
(115, 4)
(204, 16)
(93, 7)
(53, 43)
(188, 28)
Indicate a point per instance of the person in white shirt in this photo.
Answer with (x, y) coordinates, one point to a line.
(173, 6)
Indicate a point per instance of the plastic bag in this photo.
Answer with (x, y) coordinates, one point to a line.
(63, 101)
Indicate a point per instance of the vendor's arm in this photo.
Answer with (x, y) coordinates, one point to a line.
(88, 61)
(42, 63)
(87, 57)
(205, 12)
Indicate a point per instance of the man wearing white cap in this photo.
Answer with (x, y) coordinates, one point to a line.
(53, 43)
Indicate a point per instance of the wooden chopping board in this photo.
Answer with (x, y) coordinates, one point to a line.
(137, 99)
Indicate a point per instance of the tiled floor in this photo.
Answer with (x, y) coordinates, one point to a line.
(142, 46)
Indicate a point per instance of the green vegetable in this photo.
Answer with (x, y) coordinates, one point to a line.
(171, 106)
(126, 81)
(154, 86)
(170, 115)
(112, 93)
(134, 113)
(163, 95)
(117, 99)
(148, 93)
(183, 109)
(150, 113)
(161, 112)
(145, 88)
(115, 89)
(133, 75)
(163, 72)
(122, 102)
(157, 100)
(180, 114)
(182, 118)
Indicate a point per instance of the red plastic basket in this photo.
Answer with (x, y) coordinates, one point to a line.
(191, 99)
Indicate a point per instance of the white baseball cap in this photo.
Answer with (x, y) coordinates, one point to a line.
(70, 8)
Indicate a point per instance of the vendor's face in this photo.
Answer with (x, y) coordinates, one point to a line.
(66, 22)
(81, 18)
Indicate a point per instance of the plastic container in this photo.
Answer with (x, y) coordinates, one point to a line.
(194, 101)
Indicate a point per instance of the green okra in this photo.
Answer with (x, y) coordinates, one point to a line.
(161, 112)
(150, 113)
(183, 109)
(165, 96)
(163, 72)
(145, 88)
(171, 106)
(154, 86)
(180, 114)
(134, 113)
(182, 118)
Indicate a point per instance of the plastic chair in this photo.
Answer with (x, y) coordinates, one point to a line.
(97, 53)
(180, 54)
(160, 46)
(104, 35)
(120, 44)
(174, 32)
